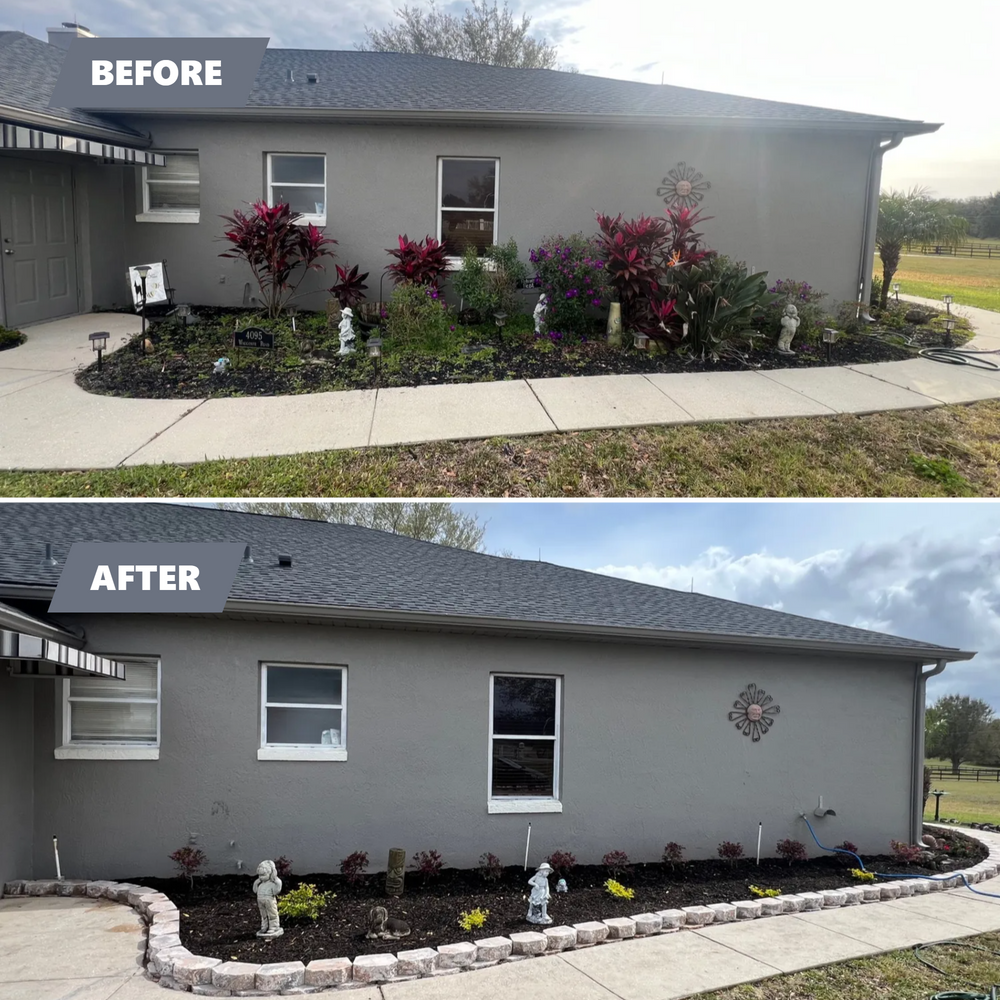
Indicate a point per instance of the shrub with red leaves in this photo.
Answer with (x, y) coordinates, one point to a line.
(490, 867)
(730, 851)
(422, 263)
(791, 850)
(428, 863)
(354, 865)
(673, 854)
(189, 861)
(562, 862)
(905, 853)
(283, 866)
(279, 251)
(349, 291)
(616, 862)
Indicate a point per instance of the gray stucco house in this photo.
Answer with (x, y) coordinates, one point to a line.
(372, 145)
(378, 691)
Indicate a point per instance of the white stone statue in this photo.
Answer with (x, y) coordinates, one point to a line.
(346, 331)
(561, 886)
(267, 887)
(538, 901)
(539, 313)
(789, 324)
(220, 366)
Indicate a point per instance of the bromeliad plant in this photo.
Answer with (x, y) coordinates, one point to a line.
(349, 291)
(278, 250)
(419, 263)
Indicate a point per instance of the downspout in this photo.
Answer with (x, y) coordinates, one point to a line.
(872, 192)
(919, 700)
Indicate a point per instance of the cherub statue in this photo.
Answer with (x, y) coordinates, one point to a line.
(346, 331)
(268, 886)
(789, 324)
(538, 901)
(539, 313)
(381, 925)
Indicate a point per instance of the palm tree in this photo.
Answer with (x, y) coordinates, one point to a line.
(906, 216)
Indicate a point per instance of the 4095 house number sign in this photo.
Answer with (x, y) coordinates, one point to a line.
(254, 336)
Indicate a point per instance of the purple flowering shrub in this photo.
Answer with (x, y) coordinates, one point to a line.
(806, 300)
(570, 270)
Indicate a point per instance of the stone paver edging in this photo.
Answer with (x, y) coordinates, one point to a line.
(171, 964)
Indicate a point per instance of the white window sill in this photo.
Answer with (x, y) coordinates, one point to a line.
(523, 806)
(187, 217)
(458, 263)
(107, 753)
(318, 221)
(302, 753)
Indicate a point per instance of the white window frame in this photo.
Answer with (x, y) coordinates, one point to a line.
(71, 749)
(188, 215)
(526, 804)
(455, 263)
(306, 751)
(305, 219)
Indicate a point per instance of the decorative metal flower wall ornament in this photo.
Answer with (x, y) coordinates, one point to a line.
(683, 187)
(754, 712)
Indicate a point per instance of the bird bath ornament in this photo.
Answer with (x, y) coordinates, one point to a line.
(561, 886)
(538, 901)
(346, 331)
(539, 314)
(789, 324)
(267, 886)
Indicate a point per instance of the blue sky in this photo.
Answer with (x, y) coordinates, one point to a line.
(934, 64)
(924, 570)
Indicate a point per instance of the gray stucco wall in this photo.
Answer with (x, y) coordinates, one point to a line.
(648, 754)
(16, 776)
(791, 203)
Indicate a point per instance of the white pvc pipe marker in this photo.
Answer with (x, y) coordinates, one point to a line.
(760, 830)
(55, 848)
(527, 841)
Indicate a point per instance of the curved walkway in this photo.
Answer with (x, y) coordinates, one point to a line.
(55, 948)
(48, 422)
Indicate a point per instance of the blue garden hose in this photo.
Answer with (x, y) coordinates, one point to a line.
(929, 878)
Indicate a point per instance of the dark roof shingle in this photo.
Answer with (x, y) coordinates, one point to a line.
(344, 566)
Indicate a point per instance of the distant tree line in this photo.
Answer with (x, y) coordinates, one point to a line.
(962, 730)
(982, 213)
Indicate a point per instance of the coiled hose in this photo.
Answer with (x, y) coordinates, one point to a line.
(954, 356)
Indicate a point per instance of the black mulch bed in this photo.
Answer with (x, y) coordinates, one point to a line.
(219, 916)
(128, 373)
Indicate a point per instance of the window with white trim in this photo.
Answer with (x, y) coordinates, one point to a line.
(298, 180)
(303, 712)
(467, 203)
(172, 193)
(103, 717)
(524, 743)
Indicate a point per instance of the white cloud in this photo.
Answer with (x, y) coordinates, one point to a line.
(945, 592)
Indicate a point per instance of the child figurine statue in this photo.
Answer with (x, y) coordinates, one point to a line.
(538, 901)
(268, 887)
(539, 314)
(789, 324)
(346, 331)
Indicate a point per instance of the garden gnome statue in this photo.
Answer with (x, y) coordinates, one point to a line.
(268, 886)
(220, 366)
(561, 886)
(539, 313)
(346, 331)
(789, 324)
(538, 901)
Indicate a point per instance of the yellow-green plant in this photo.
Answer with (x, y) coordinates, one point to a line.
(617, 889)
(473, 920)
(756, 890)
(862, 876)
(304, 901)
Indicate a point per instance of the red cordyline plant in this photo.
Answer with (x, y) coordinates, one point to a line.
(349, 291)
(278, 250)
(189, 861)
(422, 263)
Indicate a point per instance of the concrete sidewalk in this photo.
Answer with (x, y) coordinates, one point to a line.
(54, 948)
(48, 422)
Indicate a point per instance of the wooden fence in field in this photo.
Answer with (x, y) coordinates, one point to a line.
(965, 774)
(988, 250)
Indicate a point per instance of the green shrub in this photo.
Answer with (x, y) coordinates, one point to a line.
(418, 320)
(471, 283)
(10, 338)
(473, 921)
(570, 271)
(876, 296)
(805, 298)
(304, 902)
(489, 283)
(756, 890)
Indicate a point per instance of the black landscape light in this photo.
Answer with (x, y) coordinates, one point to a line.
(99, 343)
(143, 270)
(949, 325)
(829, 336)
(500, 318)
(895, 288)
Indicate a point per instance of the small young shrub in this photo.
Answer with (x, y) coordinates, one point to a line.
(304, 902)
(473, 920)
(905, 853)
(848, 846)
(570, 270)
(490, 867)
(791, 850)
(730, 851)
(189, 862)
(10, 338)
(418, 320)
(862, 876)
(428, 863)
(617, 889)
(562, 862)
(418, 263)
(759, 893)
(616, 862)
(283, 867)
(876, 296)
(471, 283)
(354, 866)
(673, 854)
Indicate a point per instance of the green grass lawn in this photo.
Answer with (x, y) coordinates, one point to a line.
(897, 975)
(948, 451)
(966, 801)
(974, 281)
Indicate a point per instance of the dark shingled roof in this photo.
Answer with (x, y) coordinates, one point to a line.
(387, 82)
(344, 566)
(29, 69)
